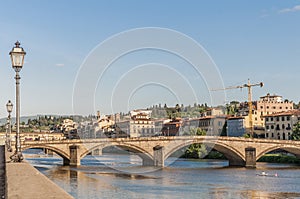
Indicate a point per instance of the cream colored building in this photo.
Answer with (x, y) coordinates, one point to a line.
(104, 124)
(141, 124)
(68, 125)
(280, 125)
(268, 104)
(213, 124)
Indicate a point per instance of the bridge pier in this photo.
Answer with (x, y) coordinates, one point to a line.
(66, 161)
(250, 156)
(159, 159)
(74, 155)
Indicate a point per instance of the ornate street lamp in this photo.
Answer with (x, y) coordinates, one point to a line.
(9, 108)
(17, 55)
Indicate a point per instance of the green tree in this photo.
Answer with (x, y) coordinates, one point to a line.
(296, 132)
(296, 106)
(197, 131)
(196, 151)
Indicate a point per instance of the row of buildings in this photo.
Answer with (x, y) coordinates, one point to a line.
(272, 118)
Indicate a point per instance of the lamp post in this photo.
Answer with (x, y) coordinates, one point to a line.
(9, 108)
(17, 55)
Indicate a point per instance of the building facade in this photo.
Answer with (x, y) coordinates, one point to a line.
(266, 105)
(269, 104)
(236, 126)
(213, 125)
(172, 128)
(141, 124)
(280, 125)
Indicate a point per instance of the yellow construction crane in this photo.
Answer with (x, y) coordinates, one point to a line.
(249, 86)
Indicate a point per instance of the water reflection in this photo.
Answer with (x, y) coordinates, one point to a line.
(182, 179)
(263, 195)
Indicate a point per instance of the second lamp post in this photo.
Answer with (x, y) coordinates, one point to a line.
(17, 55)
(9, 107)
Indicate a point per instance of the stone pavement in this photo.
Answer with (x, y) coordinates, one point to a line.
(26, 182)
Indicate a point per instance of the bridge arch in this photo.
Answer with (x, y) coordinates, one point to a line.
(58, 151)
(291, 149)
(234, 157)
(146, 157)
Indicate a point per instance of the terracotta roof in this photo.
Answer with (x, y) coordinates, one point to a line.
(236, 117)
(284, 113)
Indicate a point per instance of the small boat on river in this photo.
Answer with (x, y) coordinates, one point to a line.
(266, 174)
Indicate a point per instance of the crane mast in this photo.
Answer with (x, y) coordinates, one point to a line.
(249, 86)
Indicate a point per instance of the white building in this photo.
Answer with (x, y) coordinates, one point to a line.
(141, 124)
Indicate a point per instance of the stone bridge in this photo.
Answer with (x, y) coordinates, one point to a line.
(155, 150)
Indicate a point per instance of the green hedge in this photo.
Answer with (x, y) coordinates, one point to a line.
(279, 158)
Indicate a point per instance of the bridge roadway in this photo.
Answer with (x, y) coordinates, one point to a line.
(155, 150)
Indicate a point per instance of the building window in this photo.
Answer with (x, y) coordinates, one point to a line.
(267, 119)
(267, 107)
(277, 119)
(267, 127)
(272, 135)
(256, 119)
(267, 135)
(282, 118)
(278, 136)
(287, 118)
(283, 126)
(272, 126)
(271, 118)
(277, 127)
(280, 107)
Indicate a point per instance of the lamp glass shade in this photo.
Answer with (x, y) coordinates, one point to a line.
(17, 55)
(9, 106)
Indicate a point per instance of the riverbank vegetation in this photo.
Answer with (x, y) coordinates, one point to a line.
(279, 158)
(296, 131)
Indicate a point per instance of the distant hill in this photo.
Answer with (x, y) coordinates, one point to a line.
(22, 119)
(26, 118)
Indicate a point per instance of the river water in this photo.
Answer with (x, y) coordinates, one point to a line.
(121, 176)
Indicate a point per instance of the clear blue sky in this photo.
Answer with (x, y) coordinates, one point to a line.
(246, 39)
